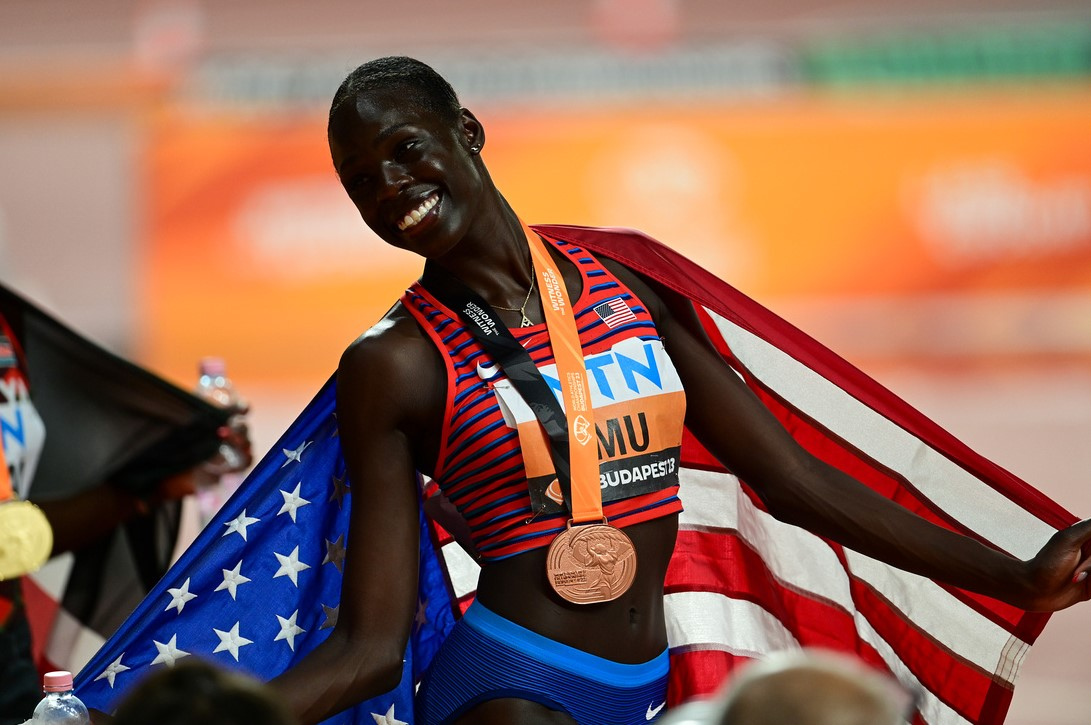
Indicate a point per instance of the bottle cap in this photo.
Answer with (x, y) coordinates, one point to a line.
(59, 681)
(213, 366)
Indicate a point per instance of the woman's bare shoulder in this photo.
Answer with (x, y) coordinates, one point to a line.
(395, 342)
(393, 362)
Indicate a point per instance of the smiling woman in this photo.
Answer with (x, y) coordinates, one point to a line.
(625, 448)
(414, 217)
(402, 160)
(488, 377)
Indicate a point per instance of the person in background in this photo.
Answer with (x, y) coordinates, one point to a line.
(804, 687)
(197, 691)
(75, 521)
(416, 393)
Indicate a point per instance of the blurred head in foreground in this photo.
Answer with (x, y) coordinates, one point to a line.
(810, 687)
(196, 691)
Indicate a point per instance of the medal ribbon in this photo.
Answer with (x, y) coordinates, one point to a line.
(586, 499)
(565, 428)
(6, 491)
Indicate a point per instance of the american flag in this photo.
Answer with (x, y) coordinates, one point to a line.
(260, 587)
(741, 584)
(614, 312)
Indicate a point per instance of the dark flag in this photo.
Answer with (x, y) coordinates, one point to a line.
(260, 585)
(106, 419)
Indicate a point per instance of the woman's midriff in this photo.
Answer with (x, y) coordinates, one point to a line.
(630, 629)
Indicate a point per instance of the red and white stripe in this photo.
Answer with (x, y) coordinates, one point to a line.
(780, 587)
(742, 584)
(60, 640)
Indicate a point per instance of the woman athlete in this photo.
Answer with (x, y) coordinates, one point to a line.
(412, 389)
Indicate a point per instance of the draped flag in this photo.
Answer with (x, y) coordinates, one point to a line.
(254, 592)
(106, 419)
(742, 583)
(260, 587)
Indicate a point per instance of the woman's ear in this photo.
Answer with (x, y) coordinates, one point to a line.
(472, 131)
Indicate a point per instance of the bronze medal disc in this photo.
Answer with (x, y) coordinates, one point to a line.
(25, 539)
(591, 563)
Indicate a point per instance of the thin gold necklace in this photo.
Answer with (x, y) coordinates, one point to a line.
(522, 310)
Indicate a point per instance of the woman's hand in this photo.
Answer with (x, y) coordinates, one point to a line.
(237, 435)
(1060, 574)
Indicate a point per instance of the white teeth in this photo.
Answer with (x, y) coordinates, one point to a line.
(417, 214)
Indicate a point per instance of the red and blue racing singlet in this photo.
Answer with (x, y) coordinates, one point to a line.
(494, 462)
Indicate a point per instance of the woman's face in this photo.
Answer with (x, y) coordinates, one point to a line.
(410, 174)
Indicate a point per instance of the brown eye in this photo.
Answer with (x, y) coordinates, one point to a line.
(356, 181)
(406, 150)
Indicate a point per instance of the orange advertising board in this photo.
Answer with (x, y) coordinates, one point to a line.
(254, 253)
(828, 196)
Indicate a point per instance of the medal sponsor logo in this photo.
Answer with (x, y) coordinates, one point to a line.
(553, 492)
(554, 290)
(581, 428)
(481, 318)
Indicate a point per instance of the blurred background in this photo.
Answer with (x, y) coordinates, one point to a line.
(909, 182)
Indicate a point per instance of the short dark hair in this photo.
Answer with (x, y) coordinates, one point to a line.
(419, 82)
(198, 691)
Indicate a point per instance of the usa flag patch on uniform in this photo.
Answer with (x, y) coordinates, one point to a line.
(614, 312)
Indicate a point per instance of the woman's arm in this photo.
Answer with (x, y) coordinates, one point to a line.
(383, 387)
(86, 517)
(799, 489)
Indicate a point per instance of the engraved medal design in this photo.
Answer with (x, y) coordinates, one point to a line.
(591, 563)
(25, 538)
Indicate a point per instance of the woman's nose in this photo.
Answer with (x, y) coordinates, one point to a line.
(394, 178)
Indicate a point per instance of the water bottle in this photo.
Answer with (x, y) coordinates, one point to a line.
(60, 706)
(220, 475)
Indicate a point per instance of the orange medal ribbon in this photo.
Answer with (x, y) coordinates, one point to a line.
(586, 503)
(593, 562)
(6, 491)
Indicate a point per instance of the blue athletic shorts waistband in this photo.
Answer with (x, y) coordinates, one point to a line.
(561, 656)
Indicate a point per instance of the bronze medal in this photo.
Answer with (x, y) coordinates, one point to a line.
(591, 563)
(25, 539)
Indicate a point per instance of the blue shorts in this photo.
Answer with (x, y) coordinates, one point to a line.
(487, 657)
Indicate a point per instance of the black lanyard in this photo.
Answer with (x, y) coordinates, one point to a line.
(504, 350)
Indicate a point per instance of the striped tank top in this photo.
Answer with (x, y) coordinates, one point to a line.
(494, 463)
